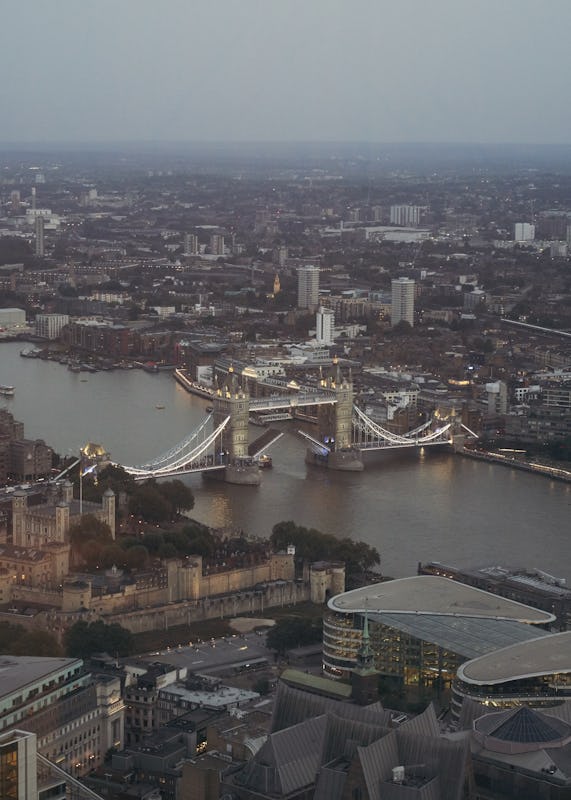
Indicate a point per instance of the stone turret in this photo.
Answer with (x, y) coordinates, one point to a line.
(19, 508)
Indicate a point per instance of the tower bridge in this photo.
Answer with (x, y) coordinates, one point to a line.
(220, 445)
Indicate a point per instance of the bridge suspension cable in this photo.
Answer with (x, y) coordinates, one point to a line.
(367, 426)
(186, 452)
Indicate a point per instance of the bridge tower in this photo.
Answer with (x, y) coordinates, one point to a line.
(335, 423)
(233, 401)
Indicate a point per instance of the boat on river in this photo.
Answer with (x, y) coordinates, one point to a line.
(7, 391)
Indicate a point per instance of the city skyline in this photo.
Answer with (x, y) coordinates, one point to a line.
(253, 71)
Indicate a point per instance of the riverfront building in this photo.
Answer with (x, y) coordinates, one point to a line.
(423, 628)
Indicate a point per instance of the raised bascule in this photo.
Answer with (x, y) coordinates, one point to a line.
(220, 445)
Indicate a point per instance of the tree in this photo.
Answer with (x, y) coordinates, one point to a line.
(17, 641)
(85, 638)
(293, 632)
(178, 494)
(88, 538)
(149, 504)
(312, 545)
(37, 643)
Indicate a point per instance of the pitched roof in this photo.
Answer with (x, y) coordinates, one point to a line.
(288, 761)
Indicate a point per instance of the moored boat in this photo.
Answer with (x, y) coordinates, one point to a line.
(7, 391)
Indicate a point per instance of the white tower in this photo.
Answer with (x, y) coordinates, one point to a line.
(308, 287)
(325, 326)
(402, 304)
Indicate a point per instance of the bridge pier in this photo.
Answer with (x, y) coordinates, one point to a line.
(348, 460)
(335, 423)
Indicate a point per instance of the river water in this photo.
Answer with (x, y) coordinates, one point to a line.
(436, 507)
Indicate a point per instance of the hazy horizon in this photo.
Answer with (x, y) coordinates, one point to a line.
(246, 71)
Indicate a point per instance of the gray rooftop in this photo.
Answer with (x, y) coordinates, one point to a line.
(544, 655)
(16, 672)
(429, 594)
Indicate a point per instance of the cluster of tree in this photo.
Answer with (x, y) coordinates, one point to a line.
(91, 543)
(193, 539)
(312, 545)
(293, 632)
(150, 501)
(160, 502)
(17, 641)
(84, 639)
(110, 477)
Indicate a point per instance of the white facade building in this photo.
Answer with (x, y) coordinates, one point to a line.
(524, 232)
(217, 245)
(402, 301)
(191, 247)
(497, 398)
(325, 326)
(308, 286)
(49, 326)
(406, 216)
(12, 318)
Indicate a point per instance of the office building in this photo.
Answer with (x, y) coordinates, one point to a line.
(40, 247)
(75, 718)
(496, 398)
(524, 232)
(27, 775)
(191, 247)
(217, 246)
(402, 301)
(48, 326)
(325, 326)
(535, 673)
(423, 628)
(405, 216)
(308, 286)
(15, 201)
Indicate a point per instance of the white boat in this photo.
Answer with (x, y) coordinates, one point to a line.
(7, 391)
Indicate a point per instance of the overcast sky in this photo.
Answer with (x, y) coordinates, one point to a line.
(235, 70)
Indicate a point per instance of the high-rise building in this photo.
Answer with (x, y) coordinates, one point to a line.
(15, 201)
(524, 232)
(191, 244)
(40, 249)
(308, 286)
(325, 326)
(217, 244)
(402, 302)
(406, 216)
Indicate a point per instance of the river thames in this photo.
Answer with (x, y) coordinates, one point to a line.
(434, 507)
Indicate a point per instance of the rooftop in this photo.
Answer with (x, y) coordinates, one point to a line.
(19, 671)
(304, 680)
(428, 594)
(545, 655)
(470, 637)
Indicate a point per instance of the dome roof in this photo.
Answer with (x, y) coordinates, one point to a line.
(93, 450)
